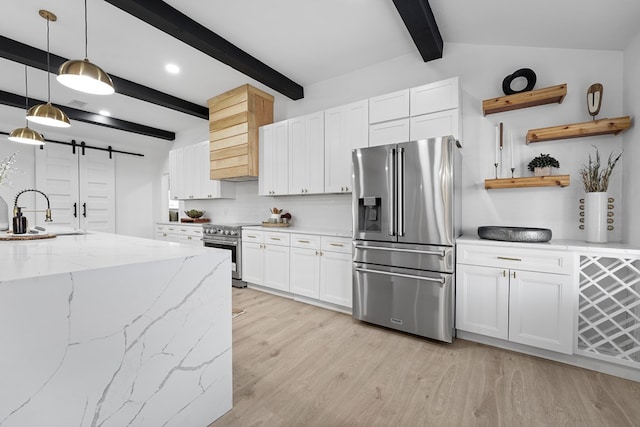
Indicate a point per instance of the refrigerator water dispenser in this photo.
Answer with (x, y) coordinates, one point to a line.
(370, 214)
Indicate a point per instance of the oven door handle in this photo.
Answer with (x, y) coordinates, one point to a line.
(412, 251)
(220, 242)
(406, 276)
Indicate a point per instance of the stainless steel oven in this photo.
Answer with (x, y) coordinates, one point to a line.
(229, 237)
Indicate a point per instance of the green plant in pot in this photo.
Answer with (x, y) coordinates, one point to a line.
(595, 179)
(541, 165)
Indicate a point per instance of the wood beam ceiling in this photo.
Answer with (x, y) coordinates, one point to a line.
(173, 22)
(422, 26)
(14, 100)
(36, 58)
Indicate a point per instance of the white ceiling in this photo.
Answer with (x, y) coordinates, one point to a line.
(306, 40)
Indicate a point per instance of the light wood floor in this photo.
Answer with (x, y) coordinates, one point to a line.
(299, 365)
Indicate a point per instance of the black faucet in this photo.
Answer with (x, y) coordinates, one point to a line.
(47, 217)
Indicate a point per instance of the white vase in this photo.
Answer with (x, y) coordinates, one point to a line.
(4, 215)
(595, 217)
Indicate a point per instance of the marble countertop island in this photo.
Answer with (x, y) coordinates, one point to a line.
(110, 330)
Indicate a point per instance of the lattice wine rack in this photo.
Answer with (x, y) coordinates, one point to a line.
(609, 309)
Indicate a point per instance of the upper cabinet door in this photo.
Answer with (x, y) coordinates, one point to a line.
(390, 106)
(434, 125)
(392, 132)
(433, 97)
(306, 154)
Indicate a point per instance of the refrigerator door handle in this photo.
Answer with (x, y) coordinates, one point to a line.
(391, 177)
(400, 192)
(413, 251)
(406, 276)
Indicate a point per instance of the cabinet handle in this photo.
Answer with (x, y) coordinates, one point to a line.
(346, 188)
(189, 238)
(274, 238)
(514, 274)
(316, 252)
(75, 210)
(84, 210)
(509, 258)
(303, 241)
(340, 245)
(504, 273)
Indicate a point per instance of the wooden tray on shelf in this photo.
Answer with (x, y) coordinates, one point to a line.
(195, 220)
(274, 224)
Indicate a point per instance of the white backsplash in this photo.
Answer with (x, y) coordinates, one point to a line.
(324, 211)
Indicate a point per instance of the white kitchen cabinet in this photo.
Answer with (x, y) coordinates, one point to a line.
(389, 132)
(390, 106)
(510, 296)
(80, 184)
(189, 175)
(305, 265)
(482, 300)
(253, 257)
(274, 159)
(265, 259)
(306, 154)
(345, 128)
(435, 125)
(336, 271)
(188, 234)
(434, 97)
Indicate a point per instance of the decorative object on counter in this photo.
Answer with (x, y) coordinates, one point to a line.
(526, 73)
(594, 99)
(275, 215)
(19, 222)
(47, 114)
(595, 179)
(5, 170)
(515, 234)
(194, 213)
(541, 165)
(286, 217)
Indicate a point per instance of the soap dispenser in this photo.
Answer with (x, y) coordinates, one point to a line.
(19, 222)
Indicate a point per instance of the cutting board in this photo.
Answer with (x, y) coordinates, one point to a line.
(4, 236)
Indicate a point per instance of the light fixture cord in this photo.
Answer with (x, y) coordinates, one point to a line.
(86, 33)
(48, 67)
(26, 94)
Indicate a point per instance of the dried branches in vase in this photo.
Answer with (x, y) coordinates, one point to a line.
(595, 176)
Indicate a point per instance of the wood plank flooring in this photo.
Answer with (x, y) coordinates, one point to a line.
(299, 365)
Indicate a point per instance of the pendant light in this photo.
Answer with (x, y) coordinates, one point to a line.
(83, 75)
(47, 114)
(26, 135)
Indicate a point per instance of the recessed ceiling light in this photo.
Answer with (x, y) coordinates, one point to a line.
(104, 113)
(172, 68)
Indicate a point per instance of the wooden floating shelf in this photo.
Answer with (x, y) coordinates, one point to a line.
(532, 98)
(579, 130)
(530, 181)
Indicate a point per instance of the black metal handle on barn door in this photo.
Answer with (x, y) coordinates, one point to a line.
(84, 209)
(75, 210)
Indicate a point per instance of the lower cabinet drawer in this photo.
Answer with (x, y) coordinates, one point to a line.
(522, 259)
(307, 241)
(336, 244)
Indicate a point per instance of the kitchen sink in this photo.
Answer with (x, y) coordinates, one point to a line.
(515, 234)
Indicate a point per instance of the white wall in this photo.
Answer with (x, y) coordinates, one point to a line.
(631, 176)
(481, 70)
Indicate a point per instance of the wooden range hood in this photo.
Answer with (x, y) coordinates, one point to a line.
(234, 120)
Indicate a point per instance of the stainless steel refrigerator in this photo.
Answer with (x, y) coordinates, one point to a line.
(406, 216)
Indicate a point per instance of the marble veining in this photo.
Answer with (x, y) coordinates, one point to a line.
(144, 344)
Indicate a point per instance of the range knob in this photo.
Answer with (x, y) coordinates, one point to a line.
(233, 232)
(220, 231)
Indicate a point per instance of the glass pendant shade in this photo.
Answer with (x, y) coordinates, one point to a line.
(26, 135)
(85, 76)
(48, 115)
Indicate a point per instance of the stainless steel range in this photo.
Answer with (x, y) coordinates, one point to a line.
(227, 236)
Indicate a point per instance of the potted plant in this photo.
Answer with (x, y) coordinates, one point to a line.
(541, 165)
(595, 179)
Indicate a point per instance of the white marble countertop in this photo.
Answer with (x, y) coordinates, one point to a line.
(178, 223)
(556, 244)
(62, 254)
(303, 230)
